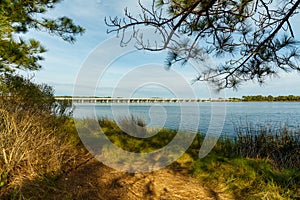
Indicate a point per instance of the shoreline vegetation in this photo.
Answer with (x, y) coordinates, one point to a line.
(248, 166)
(40, 150)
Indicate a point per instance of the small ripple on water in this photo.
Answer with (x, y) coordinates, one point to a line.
(268, 114)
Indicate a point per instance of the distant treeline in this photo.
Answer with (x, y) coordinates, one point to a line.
(266, 98)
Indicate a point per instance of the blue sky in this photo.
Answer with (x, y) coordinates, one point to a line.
(63, 61)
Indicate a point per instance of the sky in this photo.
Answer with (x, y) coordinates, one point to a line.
(96, 65)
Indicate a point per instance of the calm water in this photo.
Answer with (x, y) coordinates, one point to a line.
(200, 115)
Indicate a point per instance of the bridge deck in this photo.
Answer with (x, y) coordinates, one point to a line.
(133, 100)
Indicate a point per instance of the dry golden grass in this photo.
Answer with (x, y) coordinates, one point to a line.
(30, 149)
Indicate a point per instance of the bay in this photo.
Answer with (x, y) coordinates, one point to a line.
(229, 115)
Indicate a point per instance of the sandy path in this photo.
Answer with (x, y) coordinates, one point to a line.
(94, 180)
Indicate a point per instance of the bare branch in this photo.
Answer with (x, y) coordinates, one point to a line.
(246, 32)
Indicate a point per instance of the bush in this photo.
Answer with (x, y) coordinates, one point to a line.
(25, 94)
(33, 145)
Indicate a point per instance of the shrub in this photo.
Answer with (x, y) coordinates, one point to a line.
(33, 145)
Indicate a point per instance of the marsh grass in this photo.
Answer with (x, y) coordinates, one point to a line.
(133, 136)
(259, 162)
(281, 145)
(256, 163)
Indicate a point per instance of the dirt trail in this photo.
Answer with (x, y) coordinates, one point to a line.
(94, 180)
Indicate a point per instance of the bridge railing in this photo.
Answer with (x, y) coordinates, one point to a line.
(133, 100)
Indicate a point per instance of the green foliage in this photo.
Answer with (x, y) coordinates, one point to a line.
(20, 54)
(270, 98)
(25, 94)
(19, 16)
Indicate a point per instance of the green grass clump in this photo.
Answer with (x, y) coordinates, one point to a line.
(281, 145)
(135, 137)
(247, 178)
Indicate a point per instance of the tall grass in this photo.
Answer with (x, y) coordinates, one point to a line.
(257, 163)
(31, 148)
(281, 145)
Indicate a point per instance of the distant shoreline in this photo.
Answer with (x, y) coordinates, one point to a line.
(257, 98)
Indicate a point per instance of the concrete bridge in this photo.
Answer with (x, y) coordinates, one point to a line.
(133, 100)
